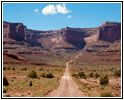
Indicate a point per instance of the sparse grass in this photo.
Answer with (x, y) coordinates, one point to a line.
(49, 75)
(91, 74)
(91, 86)
(32, 74)
(4, 68)
(117, 73)
(8, 68)
(24, 68)
(40, 87)
(96, 75)
(43, 75)
(20, 83)
(41, 69)
(5, 81)
(30, 83)
(104, 80)
(81, 75)
(4, 90)
(13, 68)
(106, 95)
(75, 75)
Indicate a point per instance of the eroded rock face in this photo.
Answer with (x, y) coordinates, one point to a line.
(14, 31)
(74, 37)
(32, 39)
(66, 38)
(110, 32)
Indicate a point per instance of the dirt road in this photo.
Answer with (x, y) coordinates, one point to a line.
(67, 87)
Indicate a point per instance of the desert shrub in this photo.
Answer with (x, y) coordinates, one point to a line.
(60, 70)
(89, 88)
(117, 73)
(75, 75)
(8, 68)
(41, 69)
(24, 69)
(5, 81)
(32, 74)
(30, 84)
(7, 95)
(91, 74)
(4, 68)
(82, 75)
(12, 80)
(104, 80)
(111, 69)
(4, 90)
(96, 75)
(106, 95)
(94, 70)
(49, 75)
(13, 68)
(43, 75)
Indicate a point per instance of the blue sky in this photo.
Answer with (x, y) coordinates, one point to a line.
(54, 16)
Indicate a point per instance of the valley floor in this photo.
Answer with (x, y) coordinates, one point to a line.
(77, 79)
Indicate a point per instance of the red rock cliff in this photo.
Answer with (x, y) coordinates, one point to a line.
(110, 32)
(14, 31)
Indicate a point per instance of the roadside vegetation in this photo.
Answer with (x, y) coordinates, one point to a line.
(96, 80)
(30, 81)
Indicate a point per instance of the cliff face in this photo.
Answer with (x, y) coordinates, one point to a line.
(110, 32)
(14, 31)
(32, 39)
(74, 37)
(66, 38)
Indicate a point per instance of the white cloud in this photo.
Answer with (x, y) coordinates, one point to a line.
(54, 9)
(62, 9)
(50, 9)
(69, 16)
(36, 10)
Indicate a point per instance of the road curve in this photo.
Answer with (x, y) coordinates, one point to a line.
(67, 87)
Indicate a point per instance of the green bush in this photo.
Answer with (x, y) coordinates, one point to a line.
(82, 75)
(24, 69)
(75, 75)
(60, 70)
(5, 81)
(7, 95)
(96, 75)
(4, 90)
(4, 68)
(106, 95)
(32, 74)
(13, 68)
(118, 73)
(41, 69)
(43, 75)
(49, 75)
(104, 80)
(8, 68)
(30, 84)
(91, 75)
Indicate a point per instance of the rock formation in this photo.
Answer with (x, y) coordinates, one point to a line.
(110, 32)
(66, 38)
(14, 31)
